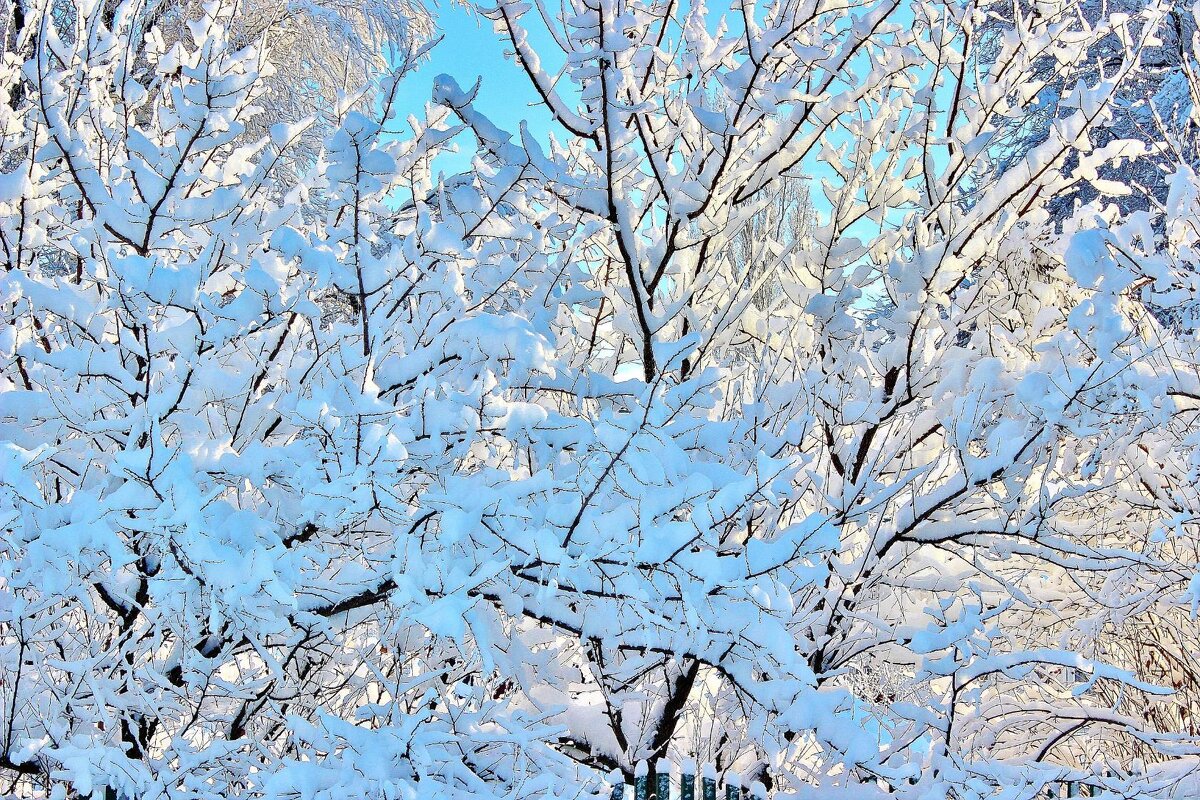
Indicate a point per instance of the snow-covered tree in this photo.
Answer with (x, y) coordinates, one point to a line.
(1153, 104)
(331, 476)
(215, 495)
(918, 452)
(323, 53)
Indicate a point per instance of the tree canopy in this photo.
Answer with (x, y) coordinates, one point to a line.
(768, 409)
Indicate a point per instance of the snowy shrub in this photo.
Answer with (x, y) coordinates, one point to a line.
(331, 476)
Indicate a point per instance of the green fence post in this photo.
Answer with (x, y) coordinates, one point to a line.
(733, 786)
(662, 787)
(758, 791)
(1091, 789)
(617, 781)
(687, 779)
(641, 781)
(709, 785)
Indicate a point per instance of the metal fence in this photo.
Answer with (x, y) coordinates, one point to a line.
(693, 784)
